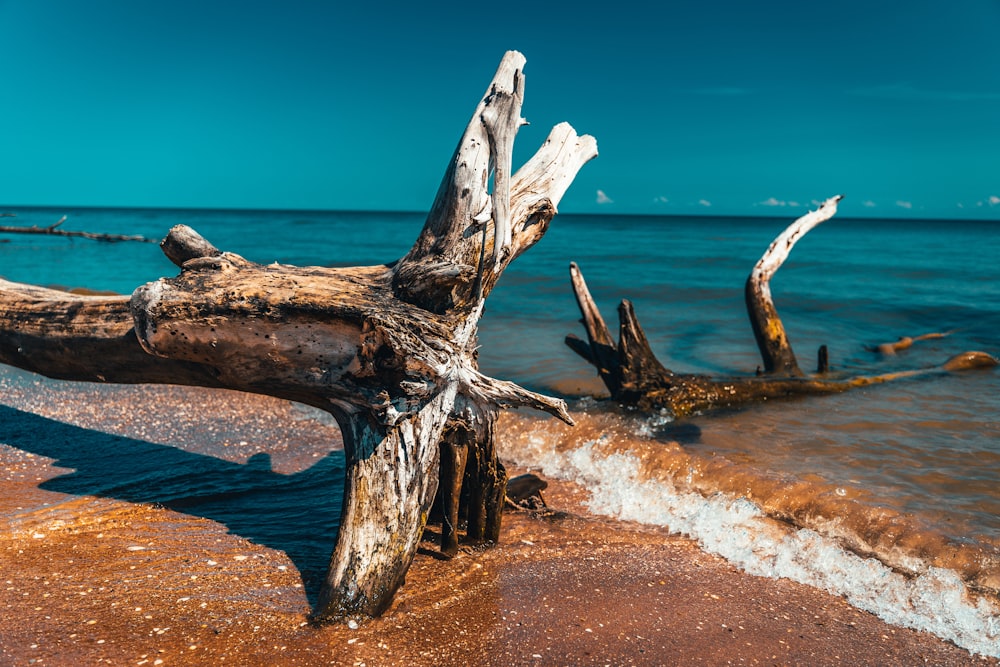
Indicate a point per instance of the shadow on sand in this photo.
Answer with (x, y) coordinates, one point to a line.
(296, 513)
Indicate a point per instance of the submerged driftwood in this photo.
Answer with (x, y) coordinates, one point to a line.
(389, 350)
(53, 230)
(635, 377)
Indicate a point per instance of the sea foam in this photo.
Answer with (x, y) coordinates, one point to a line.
(935, 600)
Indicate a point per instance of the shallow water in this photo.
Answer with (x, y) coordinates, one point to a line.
(905, 472)
(274, 477)
(772, 523)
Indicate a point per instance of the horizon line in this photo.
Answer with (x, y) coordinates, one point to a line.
(5, 208)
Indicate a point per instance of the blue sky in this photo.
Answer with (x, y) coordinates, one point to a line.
(698, 107)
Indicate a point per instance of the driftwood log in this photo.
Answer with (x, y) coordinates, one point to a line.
(905, 343)
(53, 230)
(635, 377)
(389, 350)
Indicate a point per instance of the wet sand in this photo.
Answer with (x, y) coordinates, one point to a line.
(92, 580)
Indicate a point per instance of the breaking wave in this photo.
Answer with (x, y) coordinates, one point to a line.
(803, 530)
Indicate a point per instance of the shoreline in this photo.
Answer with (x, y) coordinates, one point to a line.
(96, 579)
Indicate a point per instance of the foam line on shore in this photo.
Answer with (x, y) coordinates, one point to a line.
(935, 601)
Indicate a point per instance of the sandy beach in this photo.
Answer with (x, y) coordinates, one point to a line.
(99, 580)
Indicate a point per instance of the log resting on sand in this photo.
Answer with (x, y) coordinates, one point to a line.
(635, 377)
(389, 350)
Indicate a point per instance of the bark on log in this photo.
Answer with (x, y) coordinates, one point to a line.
(389, 350)
(635, 377)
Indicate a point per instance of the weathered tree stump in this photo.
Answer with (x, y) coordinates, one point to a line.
(389, 350)
(635, 377)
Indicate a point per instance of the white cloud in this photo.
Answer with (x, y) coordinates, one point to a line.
(868, 204)
(704, 202)
(660, 200)
(603, 198)
(774, 201)
(904, 204)
(994, 200)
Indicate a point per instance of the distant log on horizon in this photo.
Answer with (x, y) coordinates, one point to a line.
(53, 230)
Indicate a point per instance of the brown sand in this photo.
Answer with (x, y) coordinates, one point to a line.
(138, 584)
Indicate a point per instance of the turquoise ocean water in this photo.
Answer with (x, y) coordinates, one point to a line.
(887, 495)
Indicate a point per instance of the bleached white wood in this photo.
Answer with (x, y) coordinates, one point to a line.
(776, 352)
